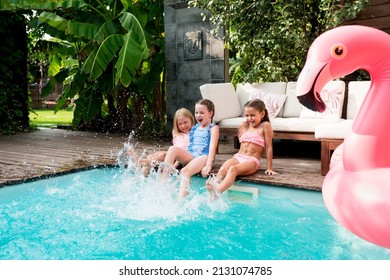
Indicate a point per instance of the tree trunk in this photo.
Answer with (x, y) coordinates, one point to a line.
(159, 103)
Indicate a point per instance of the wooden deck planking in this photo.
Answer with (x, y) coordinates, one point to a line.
(48, 151)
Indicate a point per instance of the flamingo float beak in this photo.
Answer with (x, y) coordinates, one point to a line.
(312, 100)
(310, 82)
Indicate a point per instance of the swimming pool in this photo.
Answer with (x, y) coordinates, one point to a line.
(110, 214)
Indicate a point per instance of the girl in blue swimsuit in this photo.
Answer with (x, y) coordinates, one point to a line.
(200, 154)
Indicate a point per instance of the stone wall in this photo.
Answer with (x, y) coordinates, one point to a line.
(194, 56)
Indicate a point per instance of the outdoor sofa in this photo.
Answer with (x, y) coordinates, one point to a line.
(289, 119)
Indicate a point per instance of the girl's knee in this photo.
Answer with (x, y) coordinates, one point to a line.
(171, 149)
(223, 170)
(232, 170)
(185, 172)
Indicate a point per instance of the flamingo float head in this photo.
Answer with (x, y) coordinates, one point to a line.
(356, 192)
(339, 52)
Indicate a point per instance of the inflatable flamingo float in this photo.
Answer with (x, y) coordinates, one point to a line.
(357, 189)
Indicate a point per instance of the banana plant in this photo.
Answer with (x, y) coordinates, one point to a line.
(110, 40)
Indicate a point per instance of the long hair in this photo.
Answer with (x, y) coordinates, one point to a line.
(260, 106)
(185, 113)
(209, 104)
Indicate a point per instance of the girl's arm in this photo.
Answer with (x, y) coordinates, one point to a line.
(268, 135)
(242, 128)
(214, 136)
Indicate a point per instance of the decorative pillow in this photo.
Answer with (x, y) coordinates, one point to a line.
(334, 99)
(273, 102)
(225, 100)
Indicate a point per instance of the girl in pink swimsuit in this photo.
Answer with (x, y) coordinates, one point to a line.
(183, 121)
(255, 136)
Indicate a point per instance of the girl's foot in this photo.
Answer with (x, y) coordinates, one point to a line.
(144, 162)
(145, 170)
(212, 188)
(131, 152)
(184, 188)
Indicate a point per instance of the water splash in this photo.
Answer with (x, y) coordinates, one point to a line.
(127, 156)
(156, 196)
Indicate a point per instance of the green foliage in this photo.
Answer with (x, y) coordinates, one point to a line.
(100, 50)
(268, 39)
(13, 73)
(12, 5)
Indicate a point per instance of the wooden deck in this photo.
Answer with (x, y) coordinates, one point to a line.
(26, 156)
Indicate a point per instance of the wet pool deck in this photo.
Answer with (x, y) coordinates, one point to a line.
(26, 156)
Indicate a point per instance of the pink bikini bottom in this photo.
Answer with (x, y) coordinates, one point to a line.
(245, 158)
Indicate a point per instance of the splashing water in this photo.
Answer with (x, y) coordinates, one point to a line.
(156, 196)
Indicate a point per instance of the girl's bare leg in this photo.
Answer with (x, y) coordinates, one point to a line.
(176, 154)
(246, 168)
(193, 167)
(149, 161)
(213, 182)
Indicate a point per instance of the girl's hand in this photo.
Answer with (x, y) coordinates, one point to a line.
(206, 170)
(270, 172)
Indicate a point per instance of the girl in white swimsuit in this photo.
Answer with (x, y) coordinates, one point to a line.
(255, 136)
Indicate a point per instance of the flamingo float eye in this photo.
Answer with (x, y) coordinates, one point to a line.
(338, 51)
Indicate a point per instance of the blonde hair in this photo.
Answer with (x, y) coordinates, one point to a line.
(185, 113)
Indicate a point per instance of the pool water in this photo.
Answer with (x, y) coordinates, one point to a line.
(111, 214)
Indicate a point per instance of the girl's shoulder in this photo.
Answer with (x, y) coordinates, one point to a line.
(214, 128)
(266, 124)
(242, 128)
(244, 125)
(180, 134)
(212, 125)
(195, 126)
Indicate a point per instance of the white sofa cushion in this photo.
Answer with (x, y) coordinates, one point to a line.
(333, 130)
(283, 124)
(357, 91)
(231, 123)
(224, 98)
(245, 90)
(292, 107)
(298, 124)
(333, 96)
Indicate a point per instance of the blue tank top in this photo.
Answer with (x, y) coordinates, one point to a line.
(200, 140)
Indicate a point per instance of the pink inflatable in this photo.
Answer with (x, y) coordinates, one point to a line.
(356, 190)
(337, 157)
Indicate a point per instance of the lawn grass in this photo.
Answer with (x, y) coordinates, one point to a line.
(47, 118)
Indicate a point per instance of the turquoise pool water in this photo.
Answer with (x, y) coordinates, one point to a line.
(111, 214)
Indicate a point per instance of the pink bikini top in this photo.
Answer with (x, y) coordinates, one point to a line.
(252, 137)
(181, 140)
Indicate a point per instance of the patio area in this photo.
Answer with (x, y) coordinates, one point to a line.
(54, 151)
